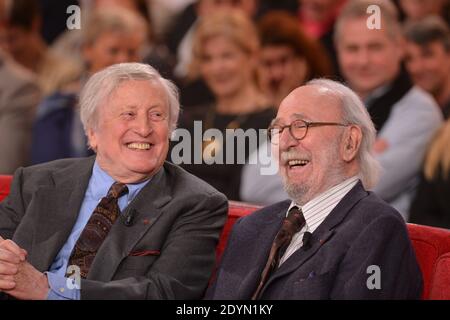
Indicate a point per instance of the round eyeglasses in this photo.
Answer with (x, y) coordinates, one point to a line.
(298, 129)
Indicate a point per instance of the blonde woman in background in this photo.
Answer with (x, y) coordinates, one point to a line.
(225, 55)
(431, 205)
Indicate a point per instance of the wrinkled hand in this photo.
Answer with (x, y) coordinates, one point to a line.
(18, 278)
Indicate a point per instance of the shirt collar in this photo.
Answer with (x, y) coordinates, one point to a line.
(307, 209)
(102, 181)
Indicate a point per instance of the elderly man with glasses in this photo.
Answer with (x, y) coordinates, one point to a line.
(332, 239)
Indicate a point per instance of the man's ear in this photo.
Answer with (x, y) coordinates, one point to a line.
(351, 143)
(92, 139)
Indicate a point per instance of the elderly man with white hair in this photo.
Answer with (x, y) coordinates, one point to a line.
(123, 224)
(332, 239)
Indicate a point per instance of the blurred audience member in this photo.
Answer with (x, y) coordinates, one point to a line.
(405, 116)
(26, 45)
(428, 58)
(225, 54)
(288, 58)
(180, 37)
(73, 42)
(431, 205)
(22, 35)
(205, 8)
(418, 9)
(108, 37)
(19, 96)
(153, 52)
(317, 19)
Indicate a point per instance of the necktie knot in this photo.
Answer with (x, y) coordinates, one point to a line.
(295, 220)
(292, 224)
(117, 190)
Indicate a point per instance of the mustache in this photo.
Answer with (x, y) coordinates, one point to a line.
(292, 154)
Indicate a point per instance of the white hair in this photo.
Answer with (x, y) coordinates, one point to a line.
(354, 112)
(103, 83)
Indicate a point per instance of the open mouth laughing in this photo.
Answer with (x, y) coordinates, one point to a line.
(139, 146)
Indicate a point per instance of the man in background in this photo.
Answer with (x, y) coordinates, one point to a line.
(428, 58)
(405, 116)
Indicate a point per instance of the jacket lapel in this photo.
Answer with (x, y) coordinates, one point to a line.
(146, 208)
(57, 209)
(261, 241)
(321, 235)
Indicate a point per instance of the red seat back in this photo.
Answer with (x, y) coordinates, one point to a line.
(432, 247)
(5, 182)
(236, 211)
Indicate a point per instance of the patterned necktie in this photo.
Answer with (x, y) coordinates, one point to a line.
(292, 224)
(97, 228)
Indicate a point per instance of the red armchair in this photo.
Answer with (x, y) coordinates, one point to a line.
(432, 246)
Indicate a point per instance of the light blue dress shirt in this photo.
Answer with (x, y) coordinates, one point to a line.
(62, 288)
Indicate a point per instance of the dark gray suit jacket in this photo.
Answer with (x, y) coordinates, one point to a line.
(360, 231)
(177, 223)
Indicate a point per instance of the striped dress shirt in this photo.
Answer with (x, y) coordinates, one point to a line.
(316, 210)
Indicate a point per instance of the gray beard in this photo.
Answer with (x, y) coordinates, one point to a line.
(301, 193)
(298, 193)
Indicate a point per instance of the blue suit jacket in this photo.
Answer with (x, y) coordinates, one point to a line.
(361, 231)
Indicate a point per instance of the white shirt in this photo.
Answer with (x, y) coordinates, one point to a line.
(316, 210)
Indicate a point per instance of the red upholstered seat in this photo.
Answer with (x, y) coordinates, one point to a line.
(432, 246)
(236, 211)
(5, 182)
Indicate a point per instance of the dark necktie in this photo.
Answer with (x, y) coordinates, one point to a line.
(97, 228)
(292, 224)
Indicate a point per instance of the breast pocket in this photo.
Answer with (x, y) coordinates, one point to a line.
(314, 287)
(136, 265)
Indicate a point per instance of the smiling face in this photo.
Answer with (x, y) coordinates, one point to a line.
(131, 138)
(225, 67)
(369, 58)
(316, 163)
(428, 65)
(280, 70)
(111, 48)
